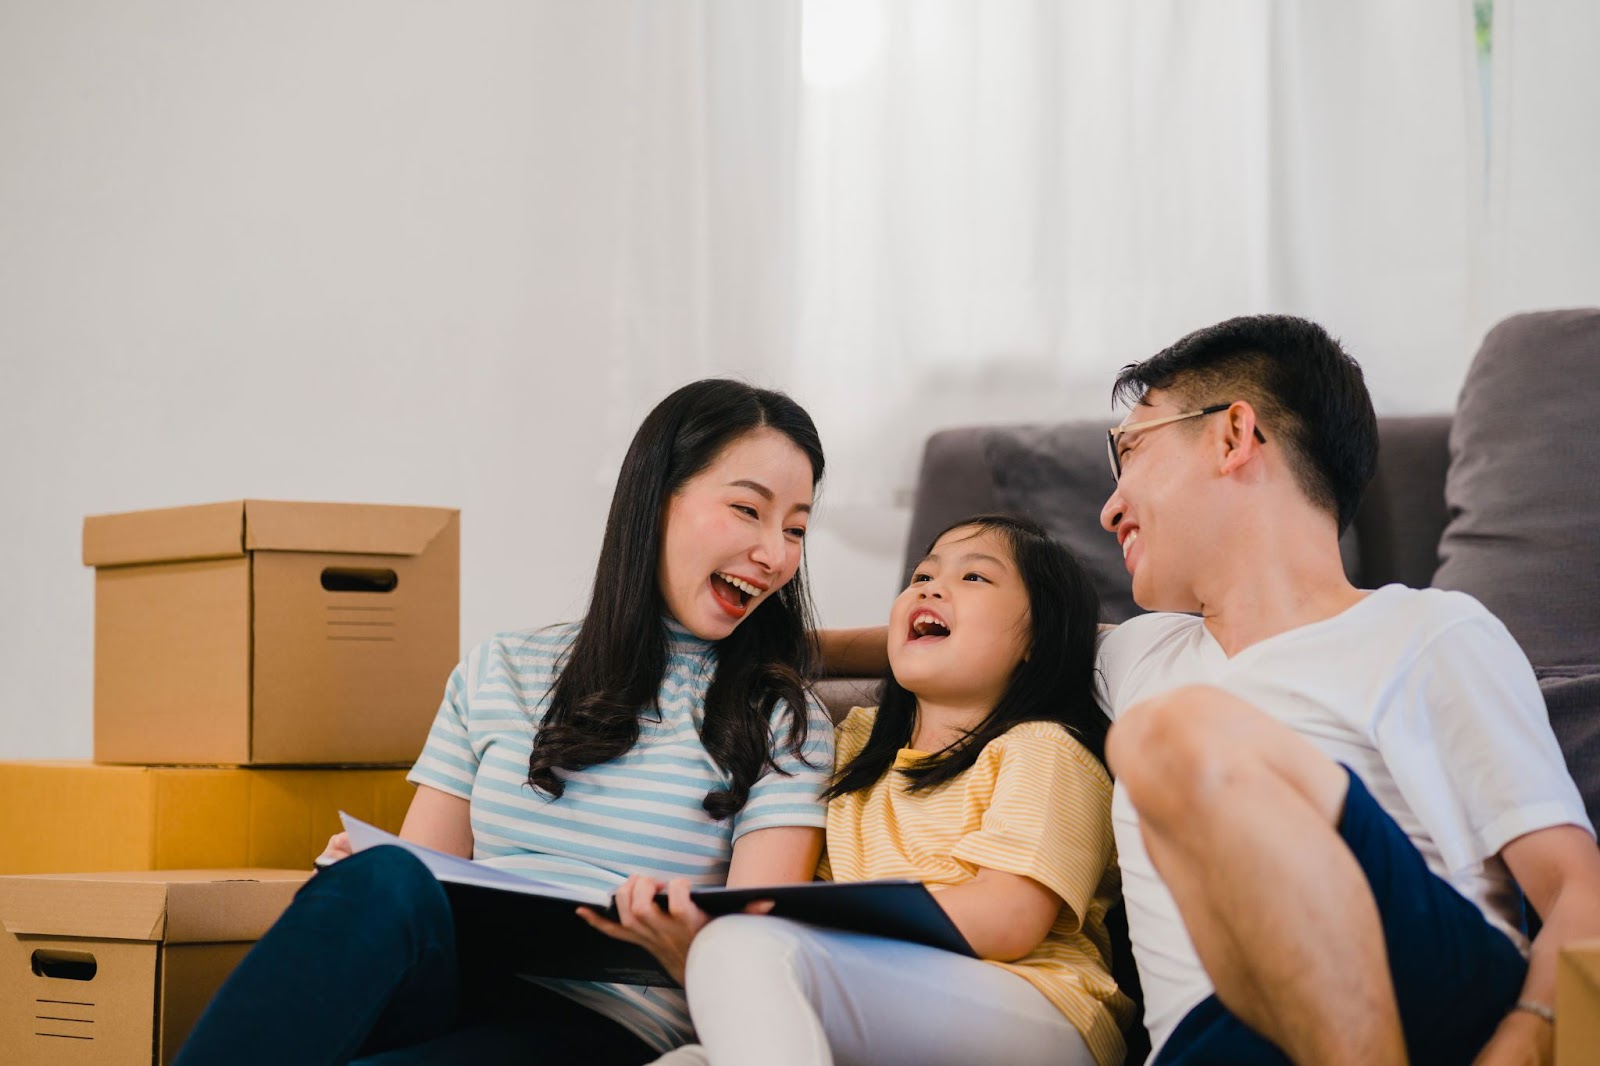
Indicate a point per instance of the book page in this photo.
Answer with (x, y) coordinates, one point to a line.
(456, 870)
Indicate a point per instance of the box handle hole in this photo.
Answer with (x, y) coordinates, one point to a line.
(356, 579)
(64, 965)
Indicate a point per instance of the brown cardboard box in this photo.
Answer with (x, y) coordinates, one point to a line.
(63, 817)
(258, 632)
(115, 968)
(1578, 1004)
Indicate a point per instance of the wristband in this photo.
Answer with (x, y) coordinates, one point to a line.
(1533, 1006)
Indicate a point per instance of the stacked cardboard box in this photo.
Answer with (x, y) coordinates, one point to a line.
(116, 968)
(258, 666)
(261, 633)
(1578, 1004)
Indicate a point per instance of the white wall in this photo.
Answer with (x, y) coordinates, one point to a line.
(356, 251)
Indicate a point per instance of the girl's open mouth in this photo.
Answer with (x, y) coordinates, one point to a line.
(927, 626)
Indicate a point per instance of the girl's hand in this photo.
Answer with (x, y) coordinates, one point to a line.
(666, 934)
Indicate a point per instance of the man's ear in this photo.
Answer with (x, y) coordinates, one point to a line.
(1241, 439)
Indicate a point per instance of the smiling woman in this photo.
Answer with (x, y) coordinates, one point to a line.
(733, 532)
(667, 738)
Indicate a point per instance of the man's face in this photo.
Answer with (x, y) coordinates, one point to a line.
(1157, 511)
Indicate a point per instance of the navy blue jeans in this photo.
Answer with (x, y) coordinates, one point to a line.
(366, 965)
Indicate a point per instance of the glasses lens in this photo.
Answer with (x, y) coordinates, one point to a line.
(1111, 454)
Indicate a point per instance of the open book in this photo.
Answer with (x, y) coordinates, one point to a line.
(532, 927)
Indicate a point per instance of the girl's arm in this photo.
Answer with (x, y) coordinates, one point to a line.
(1003, 915)
(780, 855)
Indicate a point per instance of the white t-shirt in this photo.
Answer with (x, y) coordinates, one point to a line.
(1423, 693)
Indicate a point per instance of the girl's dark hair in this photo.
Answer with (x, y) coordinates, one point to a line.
(1054, 683)
(613, 671)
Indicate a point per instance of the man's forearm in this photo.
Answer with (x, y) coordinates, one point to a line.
(854, 652)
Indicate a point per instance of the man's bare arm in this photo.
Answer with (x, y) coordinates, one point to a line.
(1559, 870)
(855, 652)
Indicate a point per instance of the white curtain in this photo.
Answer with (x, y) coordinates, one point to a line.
(915, 213)
(1542, 239)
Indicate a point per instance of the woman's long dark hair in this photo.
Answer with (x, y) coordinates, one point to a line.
(613, 671)
(1054, 683)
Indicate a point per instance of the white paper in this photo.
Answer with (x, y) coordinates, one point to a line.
(454, 869)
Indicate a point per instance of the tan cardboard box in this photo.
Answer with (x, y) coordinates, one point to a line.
(115, 968)
(1578, 1004)
(258, 632)
(64, 817)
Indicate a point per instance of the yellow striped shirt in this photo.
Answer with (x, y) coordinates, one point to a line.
(1035, 803)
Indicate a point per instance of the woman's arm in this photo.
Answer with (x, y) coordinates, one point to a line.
(435, 819)
(439, 821)
(778, 856)
(1003, 915)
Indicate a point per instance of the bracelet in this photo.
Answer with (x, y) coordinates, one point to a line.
(1533, 1006)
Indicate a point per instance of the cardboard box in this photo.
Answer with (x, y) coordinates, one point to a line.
(1578, 1004)
(115, 968)
(64, 817)
(261, 633)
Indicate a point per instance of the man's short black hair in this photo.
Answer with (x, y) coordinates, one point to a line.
(1309, 396)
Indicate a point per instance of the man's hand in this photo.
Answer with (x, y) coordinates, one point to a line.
(1522, 1039)
(666, 934)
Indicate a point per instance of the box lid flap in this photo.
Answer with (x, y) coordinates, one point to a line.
(177, 906)
(353, 528)
(207, 531)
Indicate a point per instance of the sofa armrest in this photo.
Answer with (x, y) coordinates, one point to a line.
(839, 694)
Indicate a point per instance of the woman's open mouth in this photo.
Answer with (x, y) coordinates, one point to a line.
(733, 594)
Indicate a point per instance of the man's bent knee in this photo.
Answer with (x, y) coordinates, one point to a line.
(1174, 752)
(1183, 752)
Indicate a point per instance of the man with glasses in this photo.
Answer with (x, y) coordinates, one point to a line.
(1327, 798)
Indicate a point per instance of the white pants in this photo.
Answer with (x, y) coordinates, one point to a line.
(777, 993)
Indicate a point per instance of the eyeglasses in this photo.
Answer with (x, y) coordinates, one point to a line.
(1117, 431)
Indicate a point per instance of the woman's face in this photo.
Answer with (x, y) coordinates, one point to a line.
(962, 626)
(732, 533)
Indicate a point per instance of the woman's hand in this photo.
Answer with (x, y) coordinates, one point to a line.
(338, 848)
(666, 934)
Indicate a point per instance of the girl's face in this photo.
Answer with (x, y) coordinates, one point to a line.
(732, 533)
(962, 627)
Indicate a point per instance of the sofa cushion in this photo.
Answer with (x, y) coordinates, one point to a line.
(1574, 704)
(953, 482)
(1058, 475)
(1523, 488)
(1402, 513)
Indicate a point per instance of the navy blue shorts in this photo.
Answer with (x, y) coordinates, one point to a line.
(1454, 974)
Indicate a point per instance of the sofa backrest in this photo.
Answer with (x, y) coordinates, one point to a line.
(1057, 474)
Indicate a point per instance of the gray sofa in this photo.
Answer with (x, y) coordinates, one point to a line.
(1500, 500)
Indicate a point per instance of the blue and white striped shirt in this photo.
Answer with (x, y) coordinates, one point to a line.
(639, 813)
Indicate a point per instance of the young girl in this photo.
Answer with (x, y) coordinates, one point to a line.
(982, 775)
(666, 735)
